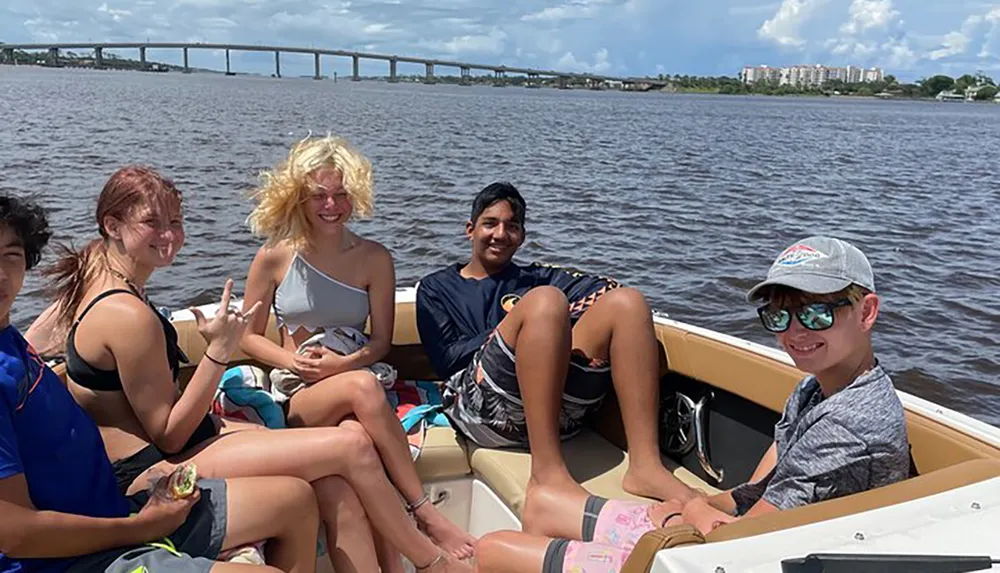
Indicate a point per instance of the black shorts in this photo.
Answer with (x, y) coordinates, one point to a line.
(485, 400)
(128, 469)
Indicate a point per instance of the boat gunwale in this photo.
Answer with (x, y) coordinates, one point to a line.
(941, 414)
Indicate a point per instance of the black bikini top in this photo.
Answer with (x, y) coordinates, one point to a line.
(108, 380)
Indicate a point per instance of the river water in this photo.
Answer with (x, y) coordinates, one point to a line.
(688, 198)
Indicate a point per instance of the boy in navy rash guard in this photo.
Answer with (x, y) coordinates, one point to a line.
(528, 351)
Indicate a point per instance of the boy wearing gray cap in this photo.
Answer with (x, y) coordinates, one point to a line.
(843, 429)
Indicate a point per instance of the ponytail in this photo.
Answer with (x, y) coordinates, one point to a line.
(71, 275)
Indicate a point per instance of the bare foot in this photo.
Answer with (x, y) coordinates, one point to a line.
(444, 533)
(658, 512)
(446, 565)
(657, 483)
(554, 510)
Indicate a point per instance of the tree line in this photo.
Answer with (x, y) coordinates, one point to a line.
(924, 88)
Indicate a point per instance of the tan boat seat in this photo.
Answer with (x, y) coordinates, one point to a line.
(593, 461)
(442, 457)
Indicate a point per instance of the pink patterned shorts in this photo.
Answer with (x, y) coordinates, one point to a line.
(619, 526)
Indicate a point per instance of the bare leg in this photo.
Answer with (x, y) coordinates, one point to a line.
(222, 567)
(553, 512)
(359, 393)
(388, 556)
(311, 454)
(511, 552)
(348, 533)
(619, 328)
(279, 509)
(538, 331)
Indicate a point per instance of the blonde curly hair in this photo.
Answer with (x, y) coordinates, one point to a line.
(279, 216)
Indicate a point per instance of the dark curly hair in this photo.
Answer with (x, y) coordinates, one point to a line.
(27, 220)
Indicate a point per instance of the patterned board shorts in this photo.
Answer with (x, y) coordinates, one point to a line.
(193, 548)
(484, 400)
(611, 530)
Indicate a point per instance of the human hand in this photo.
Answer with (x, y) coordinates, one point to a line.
(163, 514)
(224, 331)
(705, 518)
(317, 363)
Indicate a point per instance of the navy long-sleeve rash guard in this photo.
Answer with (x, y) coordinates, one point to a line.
(455, 315)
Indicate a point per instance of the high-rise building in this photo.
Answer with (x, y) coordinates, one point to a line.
(810, 76)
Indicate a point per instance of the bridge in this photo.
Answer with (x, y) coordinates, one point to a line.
(500, 72)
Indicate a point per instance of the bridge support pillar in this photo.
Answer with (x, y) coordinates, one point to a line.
(99, 58)
(532, 81)
(355, 69)
(392, 71)
(8, 56)
(142, 57)
(499, 79)
(53, 57)
(563, 83)
(465, 77)
(429, 74)
(277, 64)
(187, 70)
(229, 70)
(318, 75)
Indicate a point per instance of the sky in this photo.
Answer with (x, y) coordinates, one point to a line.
(908, 38)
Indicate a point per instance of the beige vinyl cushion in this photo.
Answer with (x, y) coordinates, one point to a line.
(597, 464)
(442, 457)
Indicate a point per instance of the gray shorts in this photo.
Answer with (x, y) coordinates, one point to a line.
(486, 404)
(193, 548)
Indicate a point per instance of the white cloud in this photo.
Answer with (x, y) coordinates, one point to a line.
(957, 42)
(601, 63)
(216, 22)
(784, 27)
(115, 14)
(952, 44)
(868, 14)
(573, 10)
(492, 43)
(752, 10)
(898, 54)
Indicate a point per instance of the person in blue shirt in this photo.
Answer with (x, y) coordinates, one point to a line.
(529, 351)
(60, 508)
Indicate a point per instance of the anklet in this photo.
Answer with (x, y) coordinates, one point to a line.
(412, 507)
(437, 560)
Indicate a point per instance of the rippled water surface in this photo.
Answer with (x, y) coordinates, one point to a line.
(688, 198)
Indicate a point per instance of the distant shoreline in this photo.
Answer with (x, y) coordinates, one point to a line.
(112, 62)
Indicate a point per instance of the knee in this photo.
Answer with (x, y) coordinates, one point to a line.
(494, 548)
(358, 448)
(300, 492)
(545, 302)
(297, 502)
(365, 390)
(626, 300)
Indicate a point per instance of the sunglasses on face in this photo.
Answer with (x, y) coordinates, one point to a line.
(814, 316)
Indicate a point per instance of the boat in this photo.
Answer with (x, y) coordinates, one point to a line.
(721, 398)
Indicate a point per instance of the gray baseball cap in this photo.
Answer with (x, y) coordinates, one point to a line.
(818, 265)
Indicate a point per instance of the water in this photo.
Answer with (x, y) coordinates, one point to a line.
(688, 198)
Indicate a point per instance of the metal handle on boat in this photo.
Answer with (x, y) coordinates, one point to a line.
(701, 440)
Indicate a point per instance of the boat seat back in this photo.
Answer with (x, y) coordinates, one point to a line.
(935, 482)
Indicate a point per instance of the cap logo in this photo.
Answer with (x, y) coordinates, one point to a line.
(798, 254)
